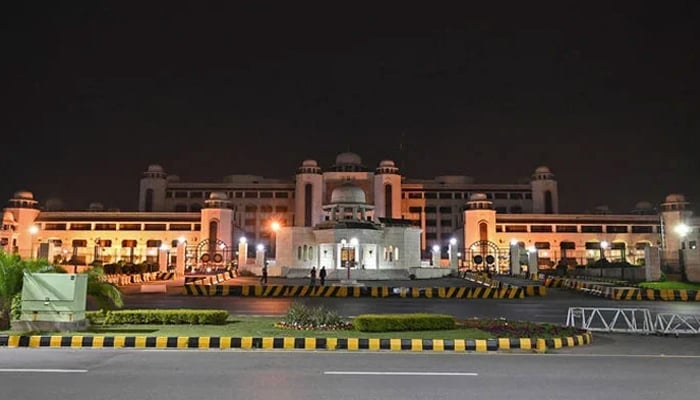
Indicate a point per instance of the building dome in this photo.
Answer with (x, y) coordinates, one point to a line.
(542, 170)
(155, 168)
(309, 163)
(386, 163)
(477, 197)
(24, 195)
(218, 196)
(348, 193)
(348, 159)
(675, 198)
(8, 218)
(96, 207)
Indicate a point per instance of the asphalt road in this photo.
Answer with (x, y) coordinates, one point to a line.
(551, 308)
(85, 374)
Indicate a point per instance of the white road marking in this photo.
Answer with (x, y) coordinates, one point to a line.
(68, 371)
(405, 373)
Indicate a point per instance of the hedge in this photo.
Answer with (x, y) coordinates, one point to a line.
(153, 317)
(403, 322)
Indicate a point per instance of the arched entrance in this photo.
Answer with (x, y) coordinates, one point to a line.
(484, 255)
(208, 256)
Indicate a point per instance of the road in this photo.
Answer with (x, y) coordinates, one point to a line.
(551, 308)
(38, 374)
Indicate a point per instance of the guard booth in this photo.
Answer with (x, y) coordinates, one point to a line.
(53, 301)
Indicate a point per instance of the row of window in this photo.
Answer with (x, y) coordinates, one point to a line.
(105, 243)
(449, 210)
(578, 229)
(172, 194)
(49, 226)
(465, 195)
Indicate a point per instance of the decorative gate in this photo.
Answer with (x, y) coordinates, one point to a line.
(208, 257)
(484, 255)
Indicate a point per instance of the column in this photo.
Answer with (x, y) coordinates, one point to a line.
(163, 255)
(181, 256)
(260, 256)
(515, 259)
(242, 253)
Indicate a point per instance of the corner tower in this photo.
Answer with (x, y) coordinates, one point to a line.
(23, 210)
(217, 219)
(479, 220)
(152, 189)
(308, 194)
(674, 213)
(545, 194)
(387, 190)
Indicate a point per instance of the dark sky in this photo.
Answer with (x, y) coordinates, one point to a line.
(607, 95)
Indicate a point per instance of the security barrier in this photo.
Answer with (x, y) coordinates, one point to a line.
(632, 320)
(352, 291)
(296, 343)
(482, 279)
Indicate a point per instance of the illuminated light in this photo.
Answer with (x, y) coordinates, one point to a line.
(513, 242)
(436, 248)
(164, 247)
(222, 246)
(459, 254)
(33, 230)
(181, 240)
(682, 230)
(532, 250)
(453, 241)
(604, 245)
(275, 226)
(243, 240)
(260, 247)
(354, 241)
(343, 242)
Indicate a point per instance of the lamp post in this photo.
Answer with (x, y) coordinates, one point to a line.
(33, 230)
(603, 246)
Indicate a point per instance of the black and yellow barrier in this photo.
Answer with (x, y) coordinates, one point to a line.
(353, 291)
(535, 290)
(651, 294)
(294, 343)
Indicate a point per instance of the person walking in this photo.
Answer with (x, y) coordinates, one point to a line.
(312, 275)
(263, 277)
(322, 275)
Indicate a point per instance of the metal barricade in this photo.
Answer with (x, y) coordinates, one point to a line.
(628, 320)
(675, 324)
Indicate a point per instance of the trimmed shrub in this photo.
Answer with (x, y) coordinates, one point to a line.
(403, 322)
(156, 317)
(300, 316)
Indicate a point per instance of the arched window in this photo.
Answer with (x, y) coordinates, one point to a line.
(308, 203)
(388, 190)
(149, 200)
(299, 253)
(548, 208)
(391, 253)
(396, 254)
(310, 254)
(305, 255)
(483, 231)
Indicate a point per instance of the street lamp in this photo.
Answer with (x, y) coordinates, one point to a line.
(33, 230)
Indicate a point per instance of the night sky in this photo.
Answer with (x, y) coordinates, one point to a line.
(607, 95)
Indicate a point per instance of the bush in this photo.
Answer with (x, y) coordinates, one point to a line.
(300, 316)
(403, 322)
(153, 317)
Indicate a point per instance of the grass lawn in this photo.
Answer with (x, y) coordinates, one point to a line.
(670, 285)
(265, 327)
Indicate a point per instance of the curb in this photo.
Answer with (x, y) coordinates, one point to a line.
(350, 291)
(625, 293)
(292, 343)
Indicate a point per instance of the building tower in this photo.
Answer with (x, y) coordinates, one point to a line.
(674, 213)
(545, 195)
(387, 190)
(217, 220)
(479, 220)
(24, 211)
(308, 194)
(152, 189)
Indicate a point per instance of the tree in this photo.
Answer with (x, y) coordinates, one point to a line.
(12, 269)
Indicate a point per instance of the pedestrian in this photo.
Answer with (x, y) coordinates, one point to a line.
(312, 275)
(263, 277)
(322, 275)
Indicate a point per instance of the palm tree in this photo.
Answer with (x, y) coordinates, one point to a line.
(12, 269)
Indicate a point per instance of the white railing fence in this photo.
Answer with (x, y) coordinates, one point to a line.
(632, 320)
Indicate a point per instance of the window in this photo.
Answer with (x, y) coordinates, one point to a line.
(501, 210)
(180, 227)
(542, 245)
(430, 222)
(154, 227)
(540, 228)
(414, 195)
(105, 243)
(431, 235)
(80, 227)
(528, 196)
(516, 228)
(180, 195)
(149, 200)
(196, 195)
(616, 228)
(430, 195)
(430, 209)
(446, 222)
(591, 229)
(281, 209)
(567, 228)
(282, 195)
(250, 222)
(153, 243)
(445, 210)
(567, 246)
(55, 227)
(445, 195)
(105, 227)
(180, 207)
(516, 210)
(129, 243)
(251, 195)
(266, 209)
(499, 228)
(415, 209)
(500, 196)
(642, 229)
(239, 195)
(516, 196)
(265, 195)
(129, 227)
(79, 243)
(592, 245)
(251, 209)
